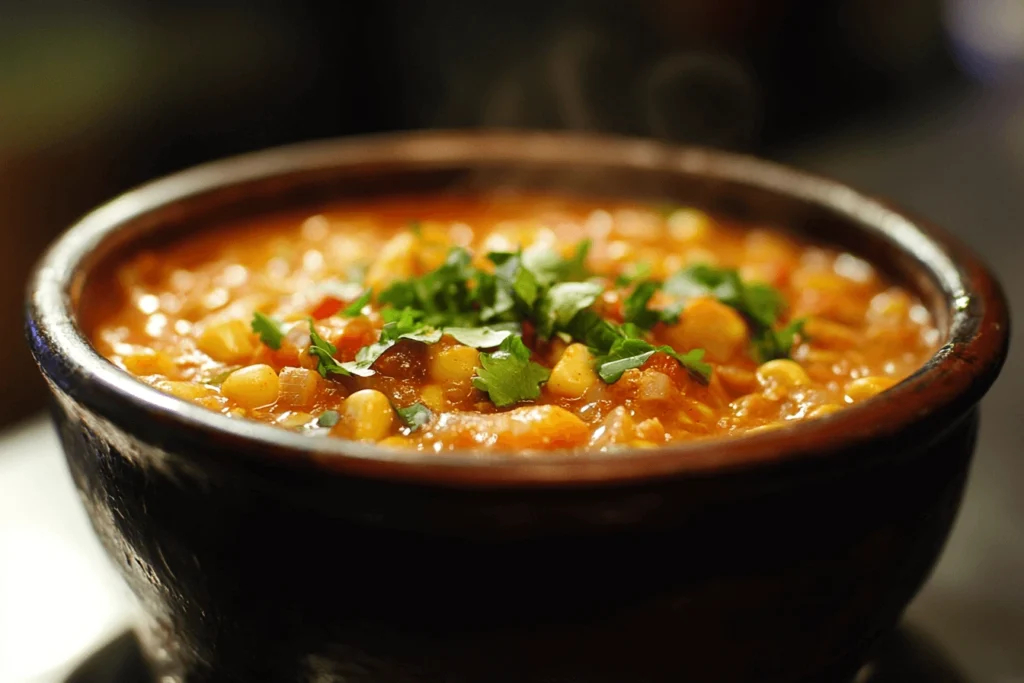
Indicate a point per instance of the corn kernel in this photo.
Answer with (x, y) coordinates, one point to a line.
(866, 387)
(252, 386)
(823, 410)
(710, 325)
(366, 415)
(294, 419)
(432, 396)
(227, 342)
(689, 225)
(452, 364)
(395, 442)
(782, 373)
(396, 261)
(573, 374)
(190, 391)
(830, 335)
(144, 361)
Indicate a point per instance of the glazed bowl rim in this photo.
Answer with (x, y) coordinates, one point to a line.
(954, 378)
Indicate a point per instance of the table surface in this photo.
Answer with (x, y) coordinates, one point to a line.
(959, 160)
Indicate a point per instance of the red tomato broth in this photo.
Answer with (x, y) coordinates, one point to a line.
(179, 319)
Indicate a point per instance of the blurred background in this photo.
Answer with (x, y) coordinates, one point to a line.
(918, 100)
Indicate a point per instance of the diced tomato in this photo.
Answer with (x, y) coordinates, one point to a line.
(359, 332)
(327, 307)
(666, 364)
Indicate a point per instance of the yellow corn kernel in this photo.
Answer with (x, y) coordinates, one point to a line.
(227, 342)
(432, 396)
(737, 381)
(573, 374)
(144, 361)
(710, 325)
(889, 305)
(294, 419)
(866, 387)
(397, 260)
(830, 335)
(190, 391)
(252, 386)
(452, 364)
(823, 410)
(689, 225)
(366, 416)
(782, 373)
(395, 442)
(642, 443)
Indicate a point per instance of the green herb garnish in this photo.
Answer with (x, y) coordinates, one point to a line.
(356, 307)
(627, 354)
(269, 330)
(219, 378)
(561, 303)
(328, 418)
(324, 352)
(760, 303)
(415, 416)
(508, 375)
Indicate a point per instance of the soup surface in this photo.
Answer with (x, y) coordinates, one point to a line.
(510, 322)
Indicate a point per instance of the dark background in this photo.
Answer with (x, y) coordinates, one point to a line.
(919, 100)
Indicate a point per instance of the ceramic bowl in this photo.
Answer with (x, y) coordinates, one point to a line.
(259, 554)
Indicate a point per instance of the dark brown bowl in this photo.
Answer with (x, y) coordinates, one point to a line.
(259, 554)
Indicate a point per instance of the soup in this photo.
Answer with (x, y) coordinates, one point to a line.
(508, 322)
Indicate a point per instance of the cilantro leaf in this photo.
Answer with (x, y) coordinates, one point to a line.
(693, 361)
(759, 303)
(218, 379)
(594, 331)
(356, 307)
(561, 303)
(635, 306)
(548, 267)
(482, 337)
(270, 331)
(627, 354)
(415, 416)
(442, 295)
(633, 273)
(328, 418)
(770, 344)
(508, 375)
(324, 352)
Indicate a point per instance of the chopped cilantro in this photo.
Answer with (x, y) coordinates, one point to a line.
(415, 416)
(561, 303)
(328, 418)
(508, 375)
(627, 354)
(594, 331)
(635, 308)
(324, 352)
(406, 327)
(481, 337)
(633, 273)
(760, 303)
(270, 331)
(770, 344)
(218, 379)
(356, 307)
